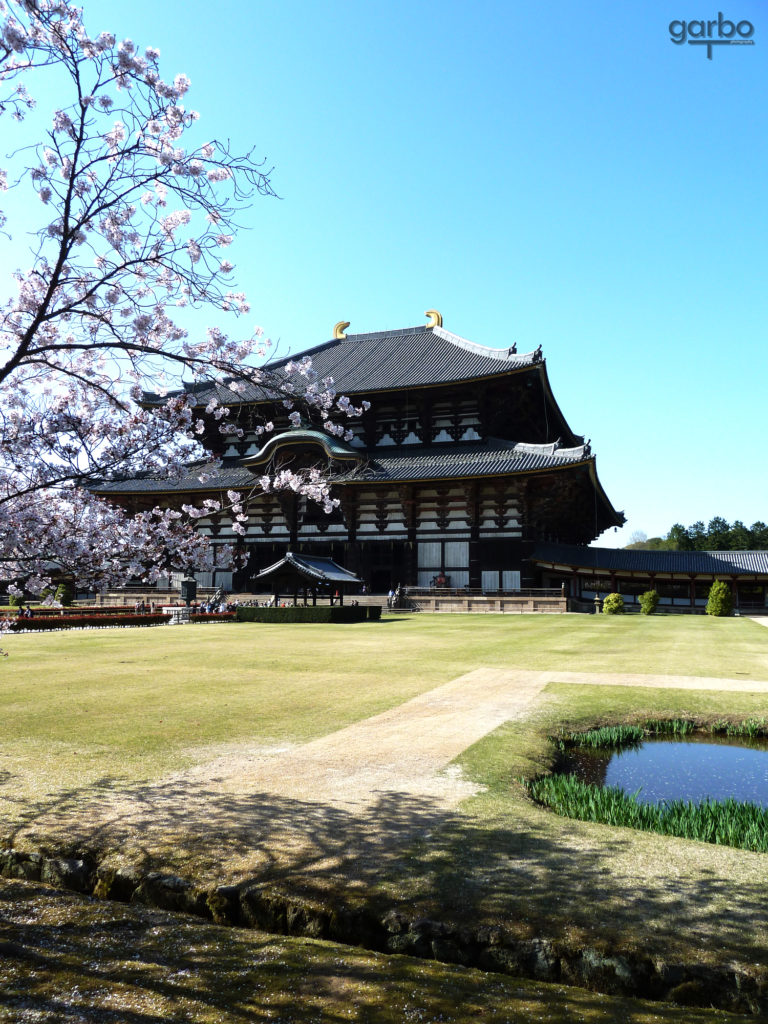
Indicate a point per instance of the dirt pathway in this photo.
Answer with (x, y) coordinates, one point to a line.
(409, 749)
(343, 804)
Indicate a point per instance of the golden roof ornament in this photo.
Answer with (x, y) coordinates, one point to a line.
(338, 330)
(435, 318)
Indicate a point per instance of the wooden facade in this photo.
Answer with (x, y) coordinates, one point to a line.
(461, 465)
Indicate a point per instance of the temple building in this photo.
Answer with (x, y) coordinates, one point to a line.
(461, 466)
(682, 579)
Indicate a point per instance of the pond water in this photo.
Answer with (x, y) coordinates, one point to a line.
(689, 768)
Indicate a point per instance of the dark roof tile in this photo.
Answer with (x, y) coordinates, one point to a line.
(726, 563)
(436, 462)
(384, 360)
(410, 462)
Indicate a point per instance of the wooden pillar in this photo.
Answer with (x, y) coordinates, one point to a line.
(472, 517)
(409, 503)
(350, 510)
(289, 505)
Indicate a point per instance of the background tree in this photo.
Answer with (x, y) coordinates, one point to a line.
(739, 537)
(136, 214)
(698, 535)
(679, 538)
(719, 535)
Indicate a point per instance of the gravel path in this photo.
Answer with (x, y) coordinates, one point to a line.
(340, 805)
(409, 749)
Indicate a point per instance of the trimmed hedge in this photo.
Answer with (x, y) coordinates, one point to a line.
(98, 609)
(613, 604)
(649, 602)
(320, 613)
(42, 622)
(720, 601)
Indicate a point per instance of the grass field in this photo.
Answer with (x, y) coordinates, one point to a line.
(134, 705)
(135, 699)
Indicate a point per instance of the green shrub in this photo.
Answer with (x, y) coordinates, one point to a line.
(298, 613)
(649, 602)
(613, 604)
(65, 595)
(720, 601)
(15, 600)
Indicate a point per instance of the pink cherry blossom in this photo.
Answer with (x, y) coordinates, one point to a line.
(90, 332)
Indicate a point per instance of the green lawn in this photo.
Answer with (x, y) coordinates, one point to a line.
(136, 704)
(148, 693)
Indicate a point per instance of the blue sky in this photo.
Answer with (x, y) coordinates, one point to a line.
(540, 173)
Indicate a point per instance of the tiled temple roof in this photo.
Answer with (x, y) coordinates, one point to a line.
(409, 462)
(230, 476)
(309, 567)
(386, 360)
(726, 563)
(410, 357)
(417, 462)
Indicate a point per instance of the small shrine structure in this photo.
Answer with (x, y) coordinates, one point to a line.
(309, 575)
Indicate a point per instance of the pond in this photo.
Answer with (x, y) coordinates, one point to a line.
(686, 768)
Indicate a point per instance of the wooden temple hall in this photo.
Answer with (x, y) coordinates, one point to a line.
(463, 463)
(682, 579)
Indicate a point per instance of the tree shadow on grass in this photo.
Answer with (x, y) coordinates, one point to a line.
(71, 960)
(410, 853)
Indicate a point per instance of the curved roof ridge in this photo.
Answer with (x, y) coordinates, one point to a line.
(472, 346)
(334, 447)
(580, 451)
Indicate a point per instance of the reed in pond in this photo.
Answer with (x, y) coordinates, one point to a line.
(727, 823)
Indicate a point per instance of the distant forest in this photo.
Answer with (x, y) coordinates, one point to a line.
(717, 535)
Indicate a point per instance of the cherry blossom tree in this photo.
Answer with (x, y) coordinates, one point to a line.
(136, 214)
